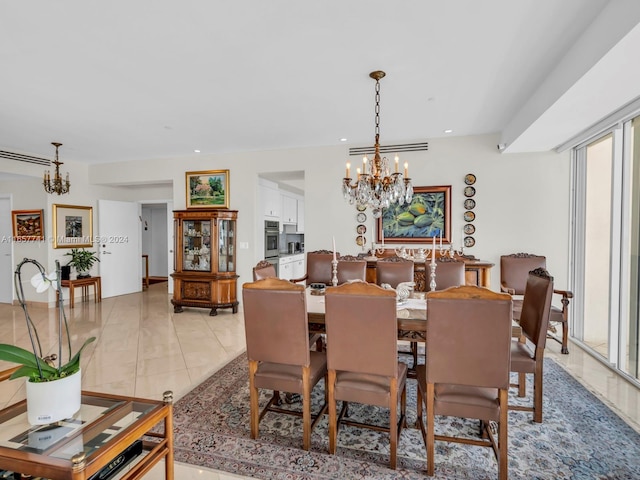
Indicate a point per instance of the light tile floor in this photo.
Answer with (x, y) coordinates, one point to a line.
(143, 349)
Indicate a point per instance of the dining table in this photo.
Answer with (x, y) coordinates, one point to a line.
(411, 317)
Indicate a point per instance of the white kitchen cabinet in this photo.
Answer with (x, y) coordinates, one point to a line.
(285, 268)
(300, 217)
(298, 266)
(271, 203)
(289, 210)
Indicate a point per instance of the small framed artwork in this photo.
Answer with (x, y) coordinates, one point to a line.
(72, 226)
(208, 189)
(28, 225)
(428, 216)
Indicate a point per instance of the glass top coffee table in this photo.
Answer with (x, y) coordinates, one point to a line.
(107, 433)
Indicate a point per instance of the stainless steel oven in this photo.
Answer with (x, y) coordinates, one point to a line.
(271, 239)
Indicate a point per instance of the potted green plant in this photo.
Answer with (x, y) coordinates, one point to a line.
(82, 260)
(53, 388)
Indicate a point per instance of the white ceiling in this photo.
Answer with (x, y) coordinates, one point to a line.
(130, 80)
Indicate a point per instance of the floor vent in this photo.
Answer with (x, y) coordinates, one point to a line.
(24, 158)
(404, 147)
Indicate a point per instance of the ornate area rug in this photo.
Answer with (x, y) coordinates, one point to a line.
(580, 438)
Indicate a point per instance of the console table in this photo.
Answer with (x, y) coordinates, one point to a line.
(106, 432)
(85, 283)
(477, 272)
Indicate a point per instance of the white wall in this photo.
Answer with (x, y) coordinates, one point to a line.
(522, 199)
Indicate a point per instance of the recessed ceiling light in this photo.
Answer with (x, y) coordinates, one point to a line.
(448, 130)
(343, 139)
(197, 151)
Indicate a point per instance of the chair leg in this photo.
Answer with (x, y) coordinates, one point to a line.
(393, 423)
(503, 458)
(522, 384)
(306, 408)
(253, 399)
(537, 393)
(333, 416)
(430, 430)
(565, 338)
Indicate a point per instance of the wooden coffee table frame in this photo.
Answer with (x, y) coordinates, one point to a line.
(81, 466)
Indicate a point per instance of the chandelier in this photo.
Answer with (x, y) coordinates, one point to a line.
(56, 185)
(376, 187)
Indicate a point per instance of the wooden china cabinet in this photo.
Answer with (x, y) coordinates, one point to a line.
(205, 259)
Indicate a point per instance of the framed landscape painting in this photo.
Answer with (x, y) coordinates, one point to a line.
(72, 226)
(427, 216)
(208, 189)
(28, 225)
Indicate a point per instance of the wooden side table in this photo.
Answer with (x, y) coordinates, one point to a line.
(84, 283)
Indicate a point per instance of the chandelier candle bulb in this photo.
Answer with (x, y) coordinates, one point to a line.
(406, 169)
(397, 161)
(348, 170)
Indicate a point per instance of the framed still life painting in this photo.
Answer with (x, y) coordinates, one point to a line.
(427, 216)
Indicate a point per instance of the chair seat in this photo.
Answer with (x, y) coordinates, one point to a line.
(288, 378)
(463, 401)
(366, 388)
(556, 315)
(522, 357)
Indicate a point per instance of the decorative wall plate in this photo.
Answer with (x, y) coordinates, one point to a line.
(361, 217)
(469, 229)
(469, 191)
(469, 179)
(469, 241)
(360, 240)
(361, 208)
(469, 203)
(361, 229)
(469, 216)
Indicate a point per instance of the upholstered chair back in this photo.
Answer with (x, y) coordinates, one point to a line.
(449, 273)
(394, 270)
(263, 269)
(351, 268)
(515, 268)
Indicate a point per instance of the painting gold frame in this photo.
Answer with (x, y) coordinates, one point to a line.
(72, 226)
(207, 189)
(428, 216)
(28, 225)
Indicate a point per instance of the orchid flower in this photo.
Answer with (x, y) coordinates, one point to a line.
(42, 282)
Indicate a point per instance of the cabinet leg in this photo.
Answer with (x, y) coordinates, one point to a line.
(235, 308)
(177, 309)
(213, 312)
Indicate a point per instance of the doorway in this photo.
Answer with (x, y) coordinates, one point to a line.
(6, 251)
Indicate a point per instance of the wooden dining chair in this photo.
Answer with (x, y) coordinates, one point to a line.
(361, 371)
(467, 367)
(319, 268)
(351, 268)
(449, 273)
(263, 269)
(514, 269)
(277, 335)
(527, 354)
(394, 270)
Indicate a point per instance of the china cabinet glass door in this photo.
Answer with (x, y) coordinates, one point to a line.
(197, 245)
(226, 237)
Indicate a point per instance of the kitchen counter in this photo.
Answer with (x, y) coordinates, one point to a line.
(287, 254)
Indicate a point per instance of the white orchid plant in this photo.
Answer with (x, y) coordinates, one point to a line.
(35, 366)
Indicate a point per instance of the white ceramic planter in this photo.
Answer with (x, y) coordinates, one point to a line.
(49, 402)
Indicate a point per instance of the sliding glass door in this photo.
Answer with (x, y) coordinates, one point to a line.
(606, 246)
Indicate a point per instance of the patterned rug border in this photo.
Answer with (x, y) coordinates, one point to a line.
(195, 444)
